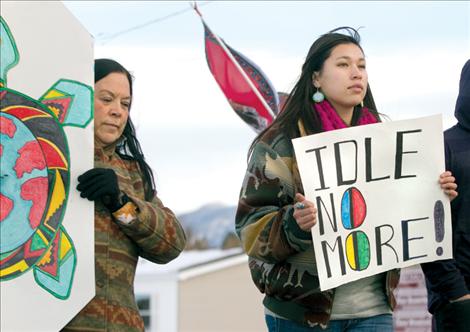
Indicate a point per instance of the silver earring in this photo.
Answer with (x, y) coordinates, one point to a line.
(318, 96)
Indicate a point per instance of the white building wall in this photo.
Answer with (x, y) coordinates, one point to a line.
(163, 293)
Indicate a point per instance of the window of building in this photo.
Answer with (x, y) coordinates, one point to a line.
(143, 303)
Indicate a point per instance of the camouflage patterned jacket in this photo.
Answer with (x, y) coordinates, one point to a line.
(155, 234)
(281, 254)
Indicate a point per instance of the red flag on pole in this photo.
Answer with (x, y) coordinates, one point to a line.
(246, 87)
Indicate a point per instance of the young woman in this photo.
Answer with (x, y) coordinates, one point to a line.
(274, 218)
(130, 221)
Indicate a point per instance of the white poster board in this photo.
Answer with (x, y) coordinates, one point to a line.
(379, 202)
(46, 229)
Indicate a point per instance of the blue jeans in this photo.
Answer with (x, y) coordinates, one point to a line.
(380, 323)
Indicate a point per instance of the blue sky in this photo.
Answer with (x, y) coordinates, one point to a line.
(191, 137)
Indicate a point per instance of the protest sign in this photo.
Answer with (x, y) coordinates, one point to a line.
(46, 141)
(379, 202)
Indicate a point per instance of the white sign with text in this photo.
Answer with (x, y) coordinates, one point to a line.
(379, 202)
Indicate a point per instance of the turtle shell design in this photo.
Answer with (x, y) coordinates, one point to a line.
(35, 176)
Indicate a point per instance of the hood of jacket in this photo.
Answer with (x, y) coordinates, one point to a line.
(462, 107)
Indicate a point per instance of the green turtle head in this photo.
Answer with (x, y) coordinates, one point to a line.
(8, 52)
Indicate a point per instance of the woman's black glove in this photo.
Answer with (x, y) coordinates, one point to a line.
(102, 184)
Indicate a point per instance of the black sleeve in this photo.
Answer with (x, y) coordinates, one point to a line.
(444, 277)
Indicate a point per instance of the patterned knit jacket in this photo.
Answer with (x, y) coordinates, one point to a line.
(155, 235)
(281, 256)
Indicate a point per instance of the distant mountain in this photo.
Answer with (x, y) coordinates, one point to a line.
(210, 226)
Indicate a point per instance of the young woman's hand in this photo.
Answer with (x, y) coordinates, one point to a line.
(447, 182)
(305, 213)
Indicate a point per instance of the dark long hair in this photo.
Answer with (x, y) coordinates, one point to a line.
(298, 105)
(129, 146)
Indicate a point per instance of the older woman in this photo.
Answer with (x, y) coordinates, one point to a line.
(130, 221)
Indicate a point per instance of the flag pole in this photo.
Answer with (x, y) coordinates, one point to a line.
(237, 65)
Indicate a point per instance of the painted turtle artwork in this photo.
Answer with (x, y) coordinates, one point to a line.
(35, 176)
